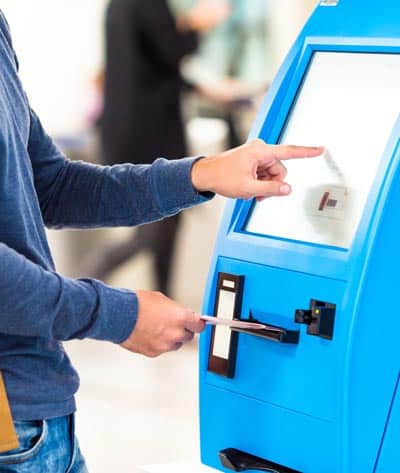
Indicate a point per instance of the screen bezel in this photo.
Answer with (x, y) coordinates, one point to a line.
(328, 260)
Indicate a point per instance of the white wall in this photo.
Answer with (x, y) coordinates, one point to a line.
(59, 45)
(287, 19)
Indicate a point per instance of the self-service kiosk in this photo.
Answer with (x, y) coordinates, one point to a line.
(317, 390)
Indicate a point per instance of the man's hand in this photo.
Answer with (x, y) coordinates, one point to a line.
(251, 170)
(162, 325)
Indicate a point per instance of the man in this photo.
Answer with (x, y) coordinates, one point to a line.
(39, 308)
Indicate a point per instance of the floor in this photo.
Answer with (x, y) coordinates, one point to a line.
(133, 411)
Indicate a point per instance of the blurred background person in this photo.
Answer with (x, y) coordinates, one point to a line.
(142, 119)
(232, 67)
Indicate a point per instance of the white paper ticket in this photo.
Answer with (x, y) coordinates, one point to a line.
(236, 323)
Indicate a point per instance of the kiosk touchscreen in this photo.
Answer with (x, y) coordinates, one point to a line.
(337, 105)
(317, 389)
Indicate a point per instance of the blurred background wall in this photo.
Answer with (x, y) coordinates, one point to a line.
(60, 47)
(132, 410)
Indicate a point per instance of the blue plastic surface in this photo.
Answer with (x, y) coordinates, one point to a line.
(320, 406)
(388, 462)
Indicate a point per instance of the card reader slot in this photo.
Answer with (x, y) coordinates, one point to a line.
(237, 460)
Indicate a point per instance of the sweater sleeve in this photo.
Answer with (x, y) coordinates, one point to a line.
(40, 303)
(81, 195)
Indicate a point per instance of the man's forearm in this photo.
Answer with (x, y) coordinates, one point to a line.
(40, 303)
(82, 195)
(88, 196)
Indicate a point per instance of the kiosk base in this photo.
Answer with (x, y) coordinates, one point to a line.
(194, 467)
(237, 460)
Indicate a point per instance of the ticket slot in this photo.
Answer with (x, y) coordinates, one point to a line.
(236, 460)
(223, 347)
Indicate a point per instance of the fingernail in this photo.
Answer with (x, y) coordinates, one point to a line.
(285, 189)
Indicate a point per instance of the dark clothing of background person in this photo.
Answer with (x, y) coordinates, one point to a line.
(142, 117)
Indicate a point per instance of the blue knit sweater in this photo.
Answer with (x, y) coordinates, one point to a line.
(38, 307)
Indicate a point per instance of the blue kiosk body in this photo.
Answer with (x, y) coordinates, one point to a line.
(318, 390)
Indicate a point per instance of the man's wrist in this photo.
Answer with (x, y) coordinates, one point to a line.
(116, 315)
(202, 178)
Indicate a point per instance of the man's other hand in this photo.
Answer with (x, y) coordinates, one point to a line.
(251, 170)
(162, 325)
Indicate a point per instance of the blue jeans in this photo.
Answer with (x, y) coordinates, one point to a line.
(46, 446)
